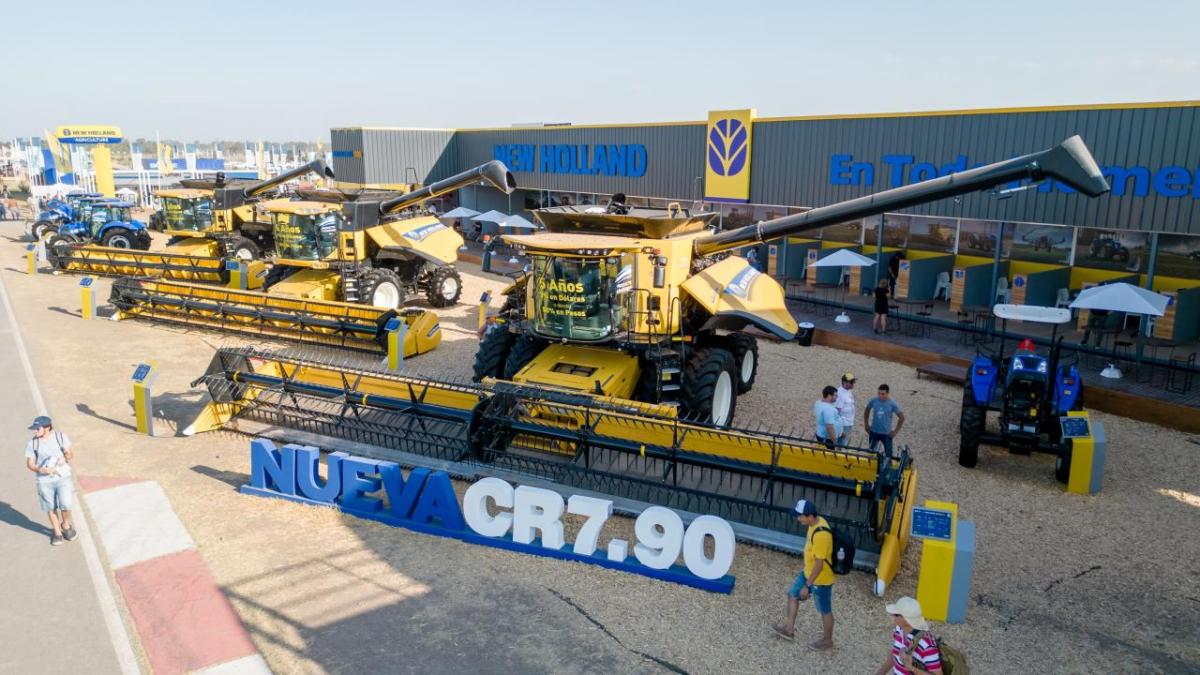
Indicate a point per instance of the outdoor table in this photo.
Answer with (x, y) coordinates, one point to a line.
(1153, 344)
(982, 319)
(825, 290)
(908, 309)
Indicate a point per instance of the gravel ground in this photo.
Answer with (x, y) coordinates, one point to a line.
(1062, 583)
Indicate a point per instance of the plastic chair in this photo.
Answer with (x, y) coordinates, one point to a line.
(1003, 295)
(1064, 298)
(943, 284)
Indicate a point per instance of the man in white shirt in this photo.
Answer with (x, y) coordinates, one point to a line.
(845, 407)
(48, 454)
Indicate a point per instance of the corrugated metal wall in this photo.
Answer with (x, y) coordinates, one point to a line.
(674, 157)
(408, 155)
(792, 161)
(343, 143)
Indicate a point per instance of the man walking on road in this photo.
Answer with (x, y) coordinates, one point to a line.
(878, 419)
(48, 454)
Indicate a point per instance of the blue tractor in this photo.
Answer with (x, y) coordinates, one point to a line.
(108, 222)
(59, 211)
(1030, 390)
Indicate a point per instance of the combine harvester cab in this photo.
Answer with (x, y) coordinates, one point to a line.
(209, 222)
(613, 294)
(321, 290)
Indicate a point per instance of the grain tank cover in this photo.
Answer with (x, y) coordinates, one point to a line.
(646, 223)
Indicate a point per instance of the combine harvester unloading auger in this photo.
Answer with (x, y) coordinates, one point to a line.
(208, 226)
(646, 452)
(299, 307)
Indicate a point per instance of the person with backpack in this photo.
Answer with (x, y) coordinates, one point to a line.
(816, 579)
(48, 454)
(914, 650)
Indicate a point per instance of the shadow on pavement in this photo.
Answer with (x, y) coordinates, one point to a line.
(87, 410)
(14, 517)
(231, 478)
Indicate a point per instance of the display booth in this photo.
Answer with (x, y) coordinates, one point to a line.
(1181, 320)
(971, 282)
(795, 256)
(1081, 320)
(827, 275)
(920, 273)
(1039, 284)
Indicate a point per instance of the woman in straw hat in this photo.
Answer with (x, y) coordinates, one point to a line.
(914, 650)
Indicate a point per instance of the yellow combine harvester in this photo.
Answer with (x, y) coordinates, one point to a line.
(646, 304)
(373, 251)
(209, 222)
(335, 279)
(610, 292)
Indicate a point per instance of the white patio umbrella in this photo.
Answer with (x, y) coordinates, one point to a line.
(515, 222)
(460, 212)
(492, 216)
(1121, 297)
(844, 258)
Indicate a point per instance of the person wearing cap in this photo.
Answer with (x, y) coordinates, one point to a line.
(845, 407)
(828, 422)
(914, 650)
(816, 579)
(48, 454)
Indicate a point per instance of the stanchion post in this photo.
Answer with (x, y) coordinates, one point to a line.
(947, 560)
(31, 263)
(143, 396)
(483, 305)
(87, 300)
(396, 328)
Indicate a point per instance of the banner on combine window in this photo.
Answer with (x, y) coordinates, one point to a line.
(494, 512)
(88, 134)
(727, 155)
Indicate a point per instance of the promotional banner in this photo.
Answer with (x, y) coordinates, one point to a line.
(88, 134)
(727, 155)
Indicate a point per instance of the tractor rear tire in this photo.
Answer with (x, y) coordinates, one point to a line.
(58, 248)
(710, 387)
(970, 427)
(241, 248)
(492, 353)
(444, 287)
(524, 350)
(118, 237)
(381, 288)
(745, 360)
(1062, 463)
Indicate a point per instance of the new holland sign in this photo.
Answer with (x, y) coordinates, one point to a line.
(88, 134)
(727, 155)
(495, 513)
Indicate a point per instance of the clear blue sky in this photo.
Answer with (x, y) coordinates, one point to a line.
(291, 70)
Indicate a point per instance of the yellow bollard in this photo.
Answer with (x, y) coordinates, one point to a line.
(947, 560)
(87, 300)
(1088, 445)
(143, 396)
(396, 328)
(483, 304)
(31, 260)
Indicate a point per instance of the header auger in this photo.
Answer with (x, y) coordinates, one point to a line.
(641, 303)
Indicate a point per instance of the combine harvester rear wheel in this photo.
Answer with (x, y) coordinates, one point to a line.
(638, 453)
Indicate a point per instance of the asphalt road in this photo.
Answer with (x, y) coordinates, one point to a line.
(50, 616)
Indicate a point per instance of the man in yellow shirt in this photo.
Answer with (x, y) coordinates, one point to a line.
(816, 579)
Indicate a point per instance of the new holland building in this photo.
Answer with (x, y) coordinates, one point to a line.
(1147, 230)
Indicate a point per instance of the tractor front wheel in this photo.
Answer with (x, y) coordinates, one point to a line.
(492, 353)
(381, 288)
(40, 228)
(745, 359)
(241, 248)
(58, 250)
(444, 287)
(710, 387)
(118, 237)
(970, 428)
(1062, 463)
